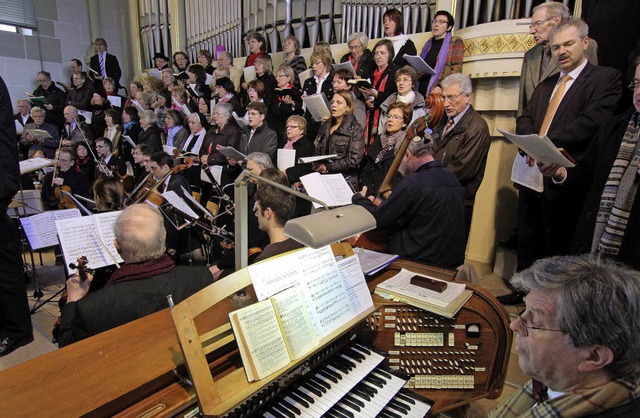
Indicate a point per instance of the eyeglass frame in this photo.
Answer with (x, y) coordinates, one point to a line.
(452, 97)
(526, 327)
(634, 85)
(539, 23)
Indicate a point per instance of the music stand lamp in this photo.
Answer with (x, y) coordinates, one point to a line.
(315, 230)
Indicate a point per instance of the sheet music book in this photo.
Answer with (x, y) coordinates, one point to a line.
(39, 101)
(194, 202)
(177, 202)
(155, 73)
(399, 288)
(39, 133)
(318, 106)
(419, 64)
(286, 158)
(540, 148)
(41, 230)
(95, 72)
(242, 122)
(313, 159)
(331, 189)
(191, 89)
(250, 73)
(137, 105)
(347, 65)
(304, 75)
(91, 236)
(334, 292)
(273, 333)
(232, 153)
(33, 164)
(524, 175)
(373, 261)
(116, 101)
(361, 82)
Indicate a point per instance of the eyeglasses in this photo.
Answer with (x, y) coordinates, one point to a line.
(441, 21)
(526, 327)
(539, 22)
(403, 80)
(355, 46)
(452, 97)
(634, 85)
(293, 127)
(281, 75)
(395, 117)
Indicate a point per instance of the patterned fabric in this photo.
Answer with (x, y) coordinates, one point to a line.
(618, 195)
(546, 58)
(579, 403)
(388, 142)
(143, 270)
(440, 62)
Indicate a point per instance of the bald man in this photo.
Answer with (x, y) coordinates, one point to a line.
(139, 288)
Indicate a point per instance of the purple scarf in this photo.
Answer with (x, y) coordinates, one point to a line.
(440, 62)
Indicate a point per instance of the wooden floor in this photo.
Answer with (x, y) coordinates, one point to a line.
(50, 279)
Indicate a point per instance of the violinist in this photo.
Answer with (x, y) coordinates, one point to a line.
(138, 288)
(160, 166)
(141, 157)
(109, 163)
(66, 174)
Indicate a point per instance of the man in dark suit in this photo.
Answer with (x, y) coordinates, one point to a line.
(568, 108)
(104, 65)
(23, 117)
(82, 92)
(537, 64)
(104, 148)
(56, 99)
(462, 140)
(139, 288)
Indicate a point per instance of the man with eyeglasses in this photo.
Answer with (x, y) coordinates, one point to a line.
(610, 221)
(39, 142)
(68, 174)
(462, 139)
(258, 136)
(104, 65)
(56, 99)
(578, 339)
(538, 63)
(104, 149)
(568, 108)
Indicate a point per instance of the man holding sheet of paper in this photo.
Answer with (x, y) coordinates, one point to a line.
(568, 108)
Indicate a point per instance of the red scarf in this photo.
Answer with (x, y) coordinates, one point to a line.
(380, 84)
(251, 59)
(142, 270)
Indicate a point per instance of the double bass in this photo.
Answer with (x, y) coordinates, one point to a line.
(376, 239)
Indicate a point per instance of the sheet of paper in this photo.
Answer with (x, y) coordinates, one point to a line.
(19, 127)
(41, 229)
(105, 222)
(524, 175)
(155, 73)
(347, 65)
(191, 199)
(286, 159)
(355, 283)
(373, 261)
(304, 75)
(331, 189)
(231, 152)
(539, 147)
(401, 284)
(168, 149)
(177, 202)
(249, 73)
(418, 64)
(33, 164)
(129, 140)
(86, 114)
(317, 105)
(115, 101)
(306, 160)
(296, 324)
(241, 121)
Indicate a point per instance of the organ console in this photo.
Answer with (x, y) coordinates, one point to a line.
(396, 361)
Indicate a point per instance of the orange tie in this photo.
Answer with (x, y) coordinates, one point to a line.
(553, 105)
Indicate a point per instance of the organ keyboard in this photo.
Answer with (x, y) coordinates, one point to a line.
(134, 370)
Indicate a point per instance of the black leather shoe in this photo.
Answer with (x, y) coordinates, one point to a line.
(515, 298)
(9, 344)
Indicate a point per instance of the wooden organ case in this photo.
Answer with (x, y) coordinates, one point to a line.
(138, 369)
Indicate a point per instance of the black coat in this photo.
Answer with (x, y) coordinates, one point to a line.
(56, 98)
(151, 137)
(365, 64)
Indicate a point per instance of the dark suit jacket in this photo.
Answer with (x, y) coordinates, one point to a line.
(111, 67)
(115, 164)
(120, 303)
(365, 64)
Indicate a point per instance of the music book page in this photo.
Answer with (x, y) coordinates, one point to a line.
(286, 159)
(523, 174)
(155, 73)
(91, 236)
(38, 133)
(318, 106)
(250, 73)
(231, 152)
(115, 101)
(177, 202)
(331, 189)
(306, 160)
(373, 261)
(304, 75)
(540, 148)
(19, 127)
(33, 164)
(129, 140)
(41, 230)
(347, 65)
(242, 122)
(295, 322)
(418, 64)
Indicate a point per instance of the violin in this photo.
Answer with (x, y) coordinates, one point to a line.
(150, 189)
(64, 202)
(82, 268)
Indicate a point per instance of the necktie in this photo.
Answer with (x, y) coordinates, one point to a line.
(553, 105)
(448, 128)
(546, 58)
(102, 70)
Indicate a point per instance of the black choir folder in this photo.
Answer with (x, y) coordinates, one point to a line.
(305, 296)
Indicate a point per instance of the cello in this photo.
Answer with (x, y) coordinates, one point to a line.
(376, 240)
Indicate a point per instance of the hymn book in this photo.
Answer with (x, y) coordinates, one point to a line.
(419, 64)
(331, 189)
(38, 133)
(318, 106)
(273, 333)
(364, 83)
(41, 230)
